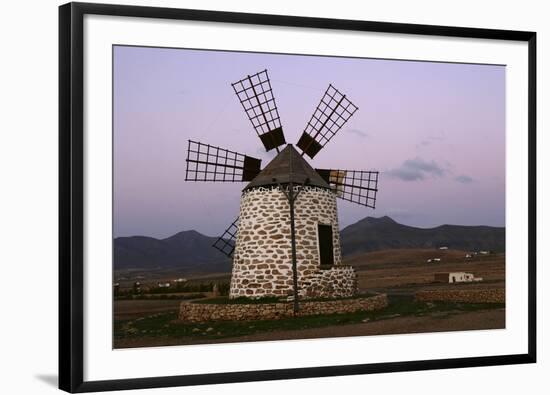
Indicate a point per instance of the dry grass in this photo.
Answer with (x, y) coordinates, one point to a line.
(398, 268)
(130, 309)
(126, 278)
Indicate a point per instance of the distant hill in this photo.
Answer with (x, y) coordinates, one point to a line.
(188, 250)
(193, 251)
(373, 234)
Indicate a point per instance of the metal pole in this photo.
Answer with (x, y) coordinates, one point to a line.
(291, 198)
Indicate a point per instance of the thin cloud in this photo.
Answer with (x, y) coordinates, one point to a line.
(405, 174)
(358, 132)
(432, 139)
(440, 136)
(416, 169)
(423, 144)
(464, 179)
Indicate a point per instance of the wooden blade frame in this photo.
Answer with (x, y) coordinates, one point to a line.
(357, 186)
(333, 111)
(226, 242)
(256, 97)
(206, 162)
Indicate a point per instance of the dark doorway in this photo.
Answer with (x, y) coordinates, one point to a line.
(325, 245)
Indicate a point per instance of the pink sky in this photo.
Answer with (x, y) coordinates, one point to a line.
(435, 131)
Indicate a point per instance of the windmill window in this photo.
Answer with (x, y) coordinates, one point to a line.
(326, 249)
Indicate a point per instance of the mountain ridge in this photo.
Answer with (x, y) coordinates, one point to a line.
(186, 249)
(372, 234)
(190, 250)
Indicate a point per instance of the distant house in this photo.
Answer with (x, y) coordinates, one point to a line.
(163, 285)
(468, 256)
(456, 277)
(443, 248)
(180, 280)
(433, 260)
(484, 252)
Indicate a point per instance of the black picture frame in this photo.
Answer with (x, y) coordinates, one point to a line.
(71, 173)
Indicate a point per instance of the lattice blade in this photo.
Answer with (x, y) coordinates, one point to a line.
(357, 186)
(333, 111)
(256, 97)
(226, 242)
(208, 163)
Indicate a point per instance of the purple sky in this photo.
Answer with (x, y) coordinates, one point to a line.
(435, 131)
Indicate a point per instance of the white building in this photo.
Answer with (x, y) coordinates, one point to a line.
(456, 277)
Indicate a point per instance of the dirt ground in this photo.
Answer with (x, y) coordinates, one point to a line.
(476, 320)
(131, 309)
(488, 319)
(409, 269)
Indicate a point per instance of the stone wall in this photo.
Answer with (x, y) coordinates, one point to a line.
(495, 295)
(262, 260)
(337, 282)
(198, 312)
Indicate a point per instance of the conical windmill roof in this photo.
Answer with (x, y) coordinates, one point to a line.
(288, 166)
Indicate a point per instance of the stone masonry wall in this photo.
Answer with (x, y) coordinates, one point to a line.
(495, 295)
(336, 282)
(196, 312)
(262, 261)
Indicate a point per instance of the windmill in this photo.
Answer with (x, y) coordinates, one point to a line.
(285, 241)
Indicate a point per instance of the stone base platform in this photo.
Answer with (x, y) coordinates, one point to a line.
(200, 312)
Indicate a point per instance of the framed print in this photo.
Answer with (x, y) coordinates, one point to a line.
(238, 188)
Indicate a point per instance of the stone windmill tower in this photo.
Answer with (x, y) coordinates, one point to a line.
(286, 240)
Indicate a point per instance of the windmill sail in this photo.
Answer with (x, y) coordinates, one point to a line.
(333, 111)
(226, 242)
(357, 186)
(206, 162)
(256, 97)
